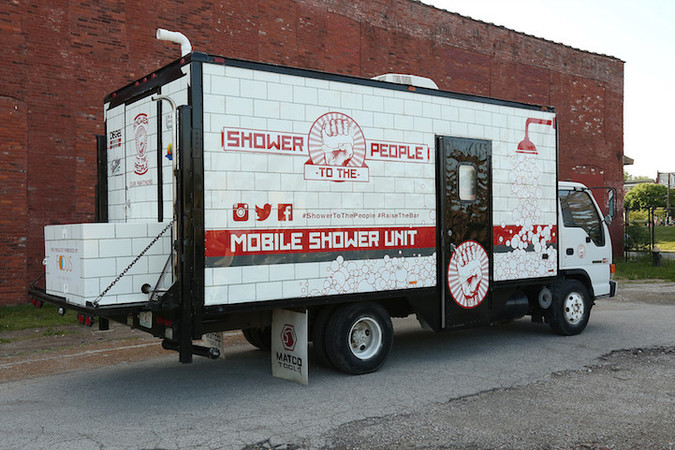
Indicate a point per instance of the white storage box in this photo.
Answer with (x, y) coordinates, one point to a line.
(82, 260)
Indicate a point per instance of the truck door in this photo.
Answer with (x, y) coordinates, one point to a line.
(141, 128)
(584, 238)
(465, 226)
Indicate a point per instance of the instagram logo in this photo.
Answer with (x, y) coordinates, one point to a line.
(240, 212)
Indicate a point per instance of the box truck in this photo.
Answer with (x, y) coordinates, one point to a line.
(299, 205)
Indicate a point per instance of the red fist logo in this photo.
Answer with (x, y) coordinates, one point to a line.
(288, 337)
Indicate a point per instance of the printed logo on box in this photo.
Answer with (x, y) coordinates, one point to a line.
(141, 138)
(263, 213)
(240, 212)
(398, 151)
(337, 149)
(63, 267)
(288, 337)
(65, 263)
(285, 212)
(335, 144)
(219, 243)
(115, 139)
(116, 167)
(468, 274)
(261, 141)
(581, 251)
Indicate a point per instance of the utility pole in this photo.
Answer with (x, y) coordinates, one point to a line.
(668, 218)
(668, 183)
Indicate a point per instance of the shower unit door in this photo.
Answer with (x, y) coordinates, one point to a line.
(465, 218)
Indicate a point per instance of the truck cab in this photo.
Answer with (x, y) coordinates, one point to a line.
(585, 246)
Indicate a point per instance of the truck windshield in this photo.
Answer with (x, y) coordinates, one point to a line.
(578, 210)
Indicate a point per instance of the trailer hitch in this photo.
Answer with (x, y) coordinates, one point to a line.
(207, 352)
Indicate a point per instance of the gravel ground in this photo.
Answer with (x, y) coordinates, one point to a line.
(626, 401)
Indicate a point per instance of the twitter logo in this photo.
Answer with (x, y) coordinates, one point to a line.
(264, 212)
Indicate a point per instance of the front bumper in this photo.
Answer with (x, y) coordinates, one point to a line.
(612, 288)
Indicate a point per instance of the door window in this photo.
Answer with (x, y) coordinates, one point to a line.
(467, 183)
(578, 210)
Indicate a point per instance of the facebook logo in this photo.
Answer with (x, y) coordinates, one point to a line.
(285, 212)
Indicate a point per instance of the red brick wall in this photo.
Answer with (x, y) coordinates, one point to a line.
(13, 199)
(62, 58)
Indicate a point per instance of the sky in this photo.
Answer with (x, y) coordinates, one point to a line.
(639, 32)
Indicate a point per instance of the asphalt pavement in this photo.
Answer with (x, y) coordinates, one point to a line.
(510, 386)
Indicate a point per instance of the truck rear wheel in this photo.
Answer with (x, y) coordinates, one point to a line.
(358, 337)
(259, 337)
(573, 308)
(319, 335)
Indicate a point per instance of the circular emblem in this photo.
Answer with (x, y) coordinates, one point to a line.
(581, 251)
(335, 139)
(141, 137)
(468, 274)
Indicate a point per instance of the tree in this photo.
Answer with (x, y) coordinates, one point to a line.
(646, 196)
(629, 177)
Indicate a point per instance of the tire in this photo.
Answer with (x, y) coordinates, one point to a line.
(358, 337)
(572, 305)
(319, 335)
(259, 337)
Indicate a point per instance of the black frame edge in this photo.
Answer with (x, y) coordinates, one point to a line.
(101, 190)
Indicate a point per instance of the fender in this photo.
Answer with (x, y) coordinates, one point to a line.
(577, 274)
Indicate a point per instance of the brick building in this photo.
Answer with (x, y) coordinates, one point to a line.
(61, 58)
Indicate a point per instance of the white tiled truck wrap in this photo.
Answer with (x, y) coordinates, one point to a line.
(312, 187)
(132, 156)
(315, 187)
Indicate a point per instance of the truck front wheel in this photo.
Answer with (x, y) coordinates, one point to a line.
(358, 337)
(573, 308)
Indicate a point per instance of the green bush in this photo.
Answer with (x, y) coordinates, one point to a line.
(637, 237)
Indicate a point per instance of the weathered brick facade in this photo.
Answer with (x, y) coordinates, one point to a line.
(61, 58)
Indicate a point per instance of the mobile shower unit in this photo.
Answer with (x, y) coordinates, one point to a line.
(234, 194)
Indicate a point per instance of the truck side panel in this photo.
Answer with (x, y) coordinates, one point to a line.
(302, 199)
(316, 187)
(525, 232)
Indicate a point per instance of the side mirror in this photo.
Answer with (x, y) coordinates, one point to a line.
(611, 205)
(608, 219)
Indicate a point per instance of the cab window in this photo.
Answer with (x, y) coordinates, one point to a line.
(578, 210)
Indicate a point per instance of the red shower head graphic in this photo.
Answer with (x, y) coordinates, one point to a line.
(526, 146)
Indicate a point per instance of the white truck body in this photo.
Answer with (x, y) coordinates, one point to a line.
(304, 189)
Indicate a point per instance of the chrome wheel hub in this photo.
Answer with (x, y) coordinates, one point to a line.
(365, 338)
(573, 308)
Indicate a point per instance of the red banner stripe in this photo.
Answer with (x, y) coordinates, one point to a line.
(507, 232)
(219, 243)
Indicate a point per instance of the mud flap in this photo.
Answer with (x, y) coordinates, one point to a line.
(215, 340)
(289, 345)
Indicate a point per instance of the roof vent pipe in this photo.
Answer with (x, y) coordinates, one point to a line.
(178, 38)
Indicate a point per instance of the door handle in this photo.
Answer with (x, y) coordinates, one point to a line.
(569, 251)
